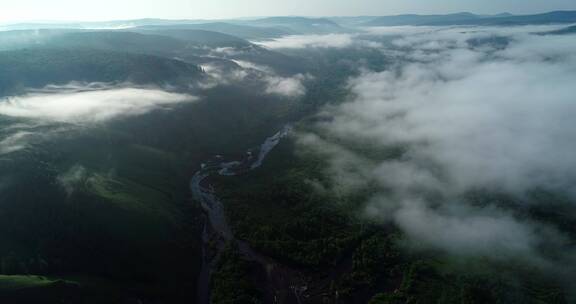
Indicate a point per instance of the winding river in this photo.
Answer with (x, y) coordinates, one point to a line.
(216, 223)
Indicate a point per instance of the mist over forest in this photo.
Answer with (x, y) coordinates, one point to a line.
(413, 158)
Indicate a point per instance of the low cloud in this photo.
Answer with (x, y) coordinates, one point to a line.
(473, 110)
(42, 114)
(292, 86)
(73, 178)
(88, 104)
(265, 76)
(309, 41)
(258, 67)
(379, 37)
(286, 86)
(15, 142)
(218, 75)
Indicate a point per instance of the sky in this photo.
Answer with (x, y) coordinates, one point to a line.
(91, 10)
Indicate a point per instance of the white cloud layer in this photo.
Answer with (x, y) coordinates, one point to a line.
(271, 83)
(74, 104)
(473, 112)
(89, 104)
(372, 37)
(313, 41)
(286, 86)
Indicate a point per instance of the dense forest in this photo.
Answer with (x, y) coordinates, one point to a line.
(288, 160)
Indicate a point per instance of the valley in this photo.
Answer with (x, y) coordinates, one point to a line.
(292, 160)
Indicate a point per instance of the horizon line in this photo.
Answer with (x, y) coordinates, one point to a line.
(64, 21)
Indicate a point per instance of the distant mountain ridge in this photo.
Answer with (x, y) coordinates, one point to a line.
(473, 19)
(35, 68)
(563, 31)
(198, 47)
(413, 19)
(262, 28)
(238, 30)
(293, 20)
(276, 26)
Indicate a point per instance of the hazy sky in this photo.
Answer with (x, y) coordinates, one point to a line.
(22, 10)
